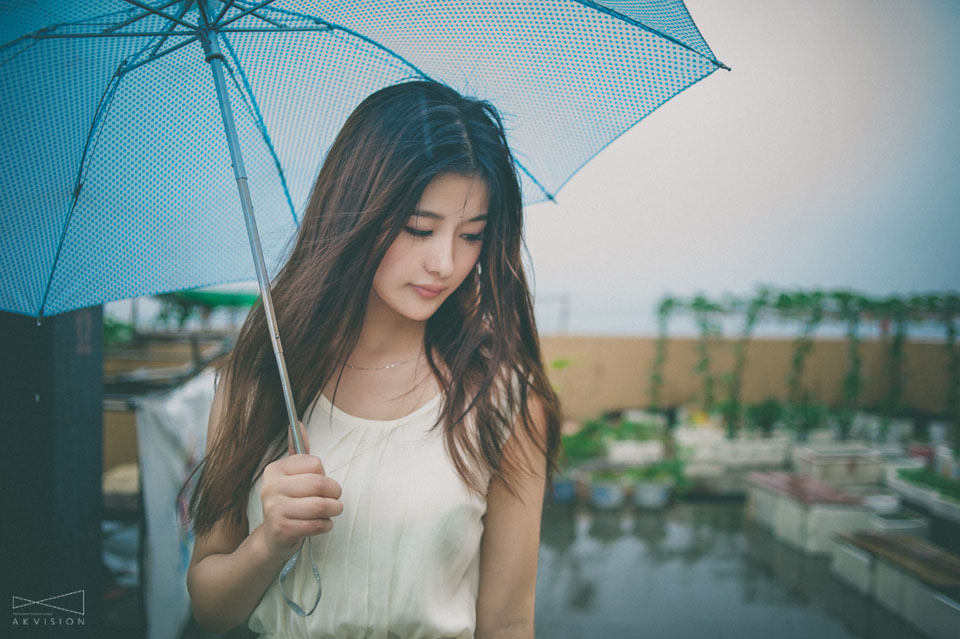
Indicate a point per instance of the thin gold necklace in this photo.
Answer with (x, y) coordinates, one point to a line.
(381, 368)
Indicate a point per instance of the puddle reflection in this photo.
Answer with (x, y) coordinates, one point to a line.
(695, 570)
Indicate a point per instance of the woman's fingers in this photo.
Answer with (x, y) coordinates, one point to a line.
(302, 508)
(298, 464)
(309, 485)
(298, 500)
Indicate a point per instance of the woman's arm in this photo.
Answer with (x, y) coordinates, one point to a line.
(230, 570)
(511, 541)
(228, 574)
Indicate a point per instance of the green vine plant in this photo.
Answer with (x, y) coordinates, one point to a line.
(808, 307)
(849, 309)
(895, 314)
(704, 311)
(811, 309)
(733, 407)
(666, 307)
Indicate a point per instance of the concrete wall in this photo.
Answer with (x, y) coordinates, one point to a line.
(609, 373)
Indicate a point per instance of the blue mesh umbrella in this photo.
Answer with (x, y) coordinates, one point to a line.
(118, 180)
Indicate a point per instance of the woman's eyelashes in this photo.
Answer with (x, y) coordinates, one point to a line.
(425, 233)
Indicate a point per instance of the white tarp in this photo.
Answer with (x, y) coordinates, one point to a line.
(171, 437)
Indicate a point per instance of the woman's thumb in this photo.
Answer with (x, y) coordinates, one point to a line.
(291, 449)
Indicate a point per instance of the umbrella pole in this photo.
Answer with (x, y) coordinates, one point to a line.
(213, 55)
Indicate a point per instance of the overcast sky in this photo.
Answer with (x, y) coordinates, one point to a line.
(828, 157)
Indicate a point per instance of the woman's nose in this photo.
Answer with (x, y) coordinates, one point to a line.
(440, 258)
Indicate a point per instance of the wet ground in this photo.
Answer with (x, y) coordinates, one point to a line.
(697, 571)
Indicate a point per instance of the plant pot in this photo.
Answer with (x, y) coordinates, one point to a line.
(607, 494)
(652, 494)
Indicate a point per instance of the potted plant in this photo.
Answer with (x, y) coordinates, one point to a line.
(608, 488)
(577, 450)
(653, 485)
(764, 415)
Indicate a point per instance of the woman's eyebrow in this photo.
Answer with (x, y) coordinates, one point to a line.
(436, 216)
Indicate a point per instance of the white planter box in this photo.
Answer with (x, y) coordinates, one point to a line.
(840, 464)
(740, 453)
(916, 525)
(762, 506)
(895, 587)
(853, 566)
(634, 453)
(945, 463)
(703, 470)
(693, 436)
(888, 586)
(821, 436)
(930, 499)
(644, 417)
(805, 513)
(811, 528)
(937, 615)
(925, 608)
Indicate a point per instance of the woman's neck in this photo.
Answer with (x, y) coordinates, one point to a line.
(386, 336)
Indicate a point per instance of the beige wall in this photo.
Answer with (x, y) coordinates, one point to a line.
(608, 373)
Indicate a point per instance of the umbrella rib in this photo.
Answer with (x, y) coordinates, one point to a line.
(607, 10)
(625, 129)
(44, 32)
(336, 27)
(18, 52)
(408, 64)
(243, 13)
(255, 108)
(267, 20)
(223, 10)
(156, 56)
(183, 9)
(130, 21)
(95, 128)
(101, 34)
(535, 180)
(280, 29)
(147, 7)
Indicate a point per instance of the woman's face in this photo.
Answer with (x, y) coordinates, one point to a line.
(436, 250)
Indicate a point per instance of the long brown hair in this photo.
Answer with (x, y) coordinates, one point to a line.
(390, 148)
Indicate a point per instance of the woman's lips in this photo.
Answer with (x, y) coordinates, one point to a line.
(425, 291)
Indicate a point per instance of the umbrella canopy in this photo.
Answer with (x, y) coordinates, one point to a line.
(115, 172)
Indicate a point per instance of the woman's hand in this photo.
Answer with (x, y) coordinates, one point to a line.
(298, 499)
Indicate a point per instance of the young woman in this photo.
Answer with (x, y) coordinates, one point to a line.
(409, 337)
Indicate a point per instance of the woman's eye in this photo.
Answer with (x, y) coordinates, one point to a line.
(473, 237)
(417, 232)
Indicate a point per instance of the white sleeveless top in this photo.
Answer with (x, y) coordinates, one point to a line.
(403, 559)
